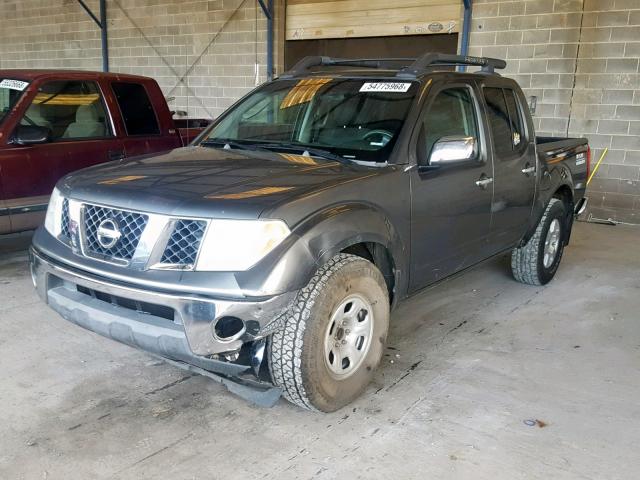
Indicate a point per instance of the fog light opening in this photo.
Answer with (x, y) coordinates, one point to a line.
(227, 329)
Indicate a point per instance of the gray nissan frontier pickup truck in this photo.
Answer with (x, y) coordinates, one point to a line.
(269, 253)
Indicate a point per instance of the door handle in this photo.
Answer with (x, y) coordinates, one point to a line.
(115, 154)
(484, 181)
(528, 170)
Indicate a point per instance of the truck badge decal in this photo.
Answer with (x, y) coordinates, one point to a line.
(396, 87)
(108, 233)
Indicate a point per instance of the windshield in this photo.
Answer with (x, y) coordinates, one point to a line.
(355, 119)
(10, 92)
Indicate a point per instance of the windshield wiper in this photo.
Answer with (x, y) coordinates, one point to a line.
(304, 150)
(276, 146)
(228, 144)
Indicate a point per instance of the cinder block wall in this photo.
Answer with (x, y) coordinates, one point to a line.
(203, 53)
(580, 58)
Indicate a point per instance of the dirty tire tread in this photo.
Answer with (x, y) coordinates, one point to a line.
(285, 345)
(524, 260)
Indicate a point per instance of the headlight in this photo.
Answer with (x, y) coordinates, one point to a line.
(236, 245)
(53, 220)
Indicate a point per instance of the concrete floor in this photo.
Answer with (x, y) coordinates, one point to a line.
(484, 378)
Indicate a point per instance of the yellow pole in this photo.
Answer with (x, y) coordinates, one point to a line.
(597, 165)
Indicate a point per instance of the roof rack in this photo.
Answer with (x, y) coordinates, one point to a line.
(429, 59)
(416, 67)
(306, 63)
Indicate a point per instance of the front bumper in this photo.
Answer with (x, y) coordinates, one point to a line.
(193, 316)
(105, 307)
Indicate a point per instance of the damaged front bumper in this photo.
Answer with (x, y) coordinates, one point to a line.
(176, 327)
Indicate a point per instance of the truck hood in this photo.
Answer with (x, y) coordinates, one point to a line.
(209, 182)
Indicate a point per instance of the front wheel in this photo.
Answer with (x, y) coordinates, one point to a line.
(333, 339)
(536, 262)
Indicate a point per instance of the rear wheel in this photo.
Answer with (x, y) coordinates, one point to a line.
(333, 340)
(536, 262)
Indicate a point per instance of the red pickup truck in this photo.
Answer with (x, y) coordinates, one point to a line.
(56, 122)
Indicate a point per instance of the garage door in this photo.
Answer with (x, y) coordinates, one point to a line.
(370, 28)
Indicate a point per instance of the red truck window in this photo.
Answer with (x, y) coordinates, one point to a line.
(72, 110)
(136, 109)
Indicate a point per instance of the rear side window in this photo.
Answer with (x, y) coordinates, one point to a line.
(517, 130)
(499, 121)
(71, 110)
(505, 121)
(136, 108)
(452, 113)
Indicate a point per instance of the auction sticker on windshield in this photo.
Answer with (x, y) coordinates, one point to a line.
(13, 84)
(399, 87)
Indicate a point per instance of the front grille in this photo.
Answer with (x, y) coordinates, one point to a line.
(183, 245)
(65, 219)
(161, 311)
(130, 224)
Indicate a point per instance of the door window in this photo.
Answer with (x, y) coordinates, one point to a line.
(72, 110)
(451, 113)
(505, 121)
(515, 117)
(499, 121)
(136, 108)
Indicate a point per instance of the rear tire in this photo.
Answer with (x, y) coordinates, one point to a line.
(333, 339)
(536, 262)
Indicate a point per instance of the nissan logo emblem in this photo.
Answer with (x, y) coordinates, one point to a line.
(108, 233)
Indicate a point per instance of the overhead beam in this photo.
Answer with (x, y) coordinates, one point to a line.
(102, 25)
(466, 28)
(267, 9)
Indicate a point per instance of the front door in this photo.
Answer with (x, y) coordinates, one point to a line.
(514, 165)
(451, 211)
(81, 136)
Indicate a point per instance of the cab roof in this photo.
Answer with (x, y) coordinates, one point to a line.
(37, 74)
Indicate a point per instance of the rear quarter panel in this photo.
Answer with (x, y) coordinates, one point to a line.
(562, 164)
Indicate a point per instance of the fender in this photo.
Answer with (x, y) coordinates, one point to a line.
(318, 238)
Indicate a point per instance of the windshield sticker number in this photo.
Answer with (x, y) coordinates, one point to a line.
(395, 87)
(13, 84)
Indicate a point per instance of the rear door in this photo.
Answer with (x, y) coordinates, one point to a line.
(450, 212)
(144, 130)
(5, 218)
(81, 136)
(514, 164)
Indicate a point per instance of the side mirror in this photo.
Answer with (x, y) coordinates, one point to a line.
(452, 150)
(31, 135)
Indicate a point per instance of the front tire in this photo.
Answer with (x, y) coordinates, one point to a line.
(333, 339)
(536, 262)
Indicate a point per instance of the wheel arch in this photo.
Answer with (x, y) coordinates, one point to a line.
(360, 229)
(565, 194)
(381, 257)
